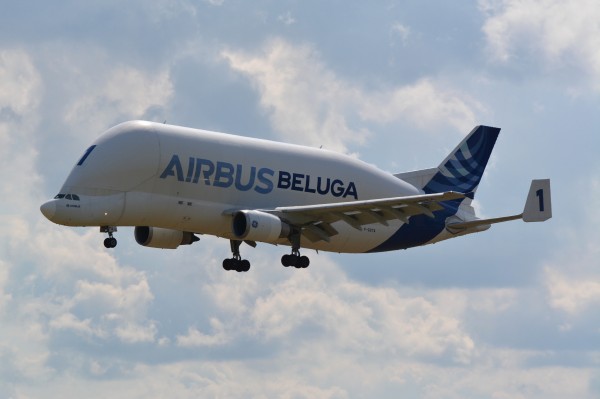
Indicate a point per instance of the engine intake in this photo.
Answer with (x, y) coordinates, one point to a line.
(157, 237)
(259, 226)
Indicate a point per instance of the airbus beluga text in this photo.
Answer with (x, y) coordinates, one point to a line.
(172, 183)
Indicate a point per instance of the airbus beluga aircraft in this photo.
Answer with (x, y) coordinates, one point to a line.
(172, 182)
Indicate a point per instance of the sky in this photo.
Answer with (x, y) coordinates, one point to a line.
(508, 313)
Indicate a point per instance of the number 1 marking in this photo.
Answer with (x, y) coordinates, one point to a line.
(540, 195)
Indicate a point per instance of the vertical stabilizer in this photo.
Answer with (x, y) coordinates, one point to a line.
(461, 171)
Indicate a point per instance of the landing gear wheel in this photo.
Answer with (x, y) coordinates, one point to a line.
(228, 264)
(236, 263)
(294, 259)
(303, 262)
(239, 265)
(110, 242)
(243, 266)
(297, 261)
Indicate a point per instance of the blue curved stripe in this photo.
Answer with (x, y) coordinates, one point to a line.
(420, 230)
(465, 172)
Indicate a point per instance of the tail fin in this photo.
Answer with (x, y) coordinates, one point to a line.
(461, 171)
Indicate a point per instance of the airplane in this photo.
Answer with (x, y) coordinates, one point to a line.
(172, 183)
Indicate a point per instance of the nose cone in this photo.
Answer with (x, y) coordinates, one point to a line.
(49, 209)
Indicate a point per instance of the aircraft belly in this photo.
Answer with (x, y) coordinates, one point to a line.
(186, 214)
(350, 240)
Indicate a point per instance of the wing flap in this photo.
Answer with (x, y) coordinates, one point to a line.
(315, 220)
(374, 203)
(319, 232)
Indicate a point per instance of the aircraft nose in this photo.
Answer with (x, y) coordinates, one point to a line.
(48, 209)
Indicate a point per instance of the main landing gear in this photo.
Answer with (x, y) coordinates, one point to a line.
(242, 265)
(109, 242)
(299, 262)
(236, 262)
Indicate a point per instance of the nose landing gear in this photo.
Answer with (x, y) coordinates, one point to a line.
(109, 242)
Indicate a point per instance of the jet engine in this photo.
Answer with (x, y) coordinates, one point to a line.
(259, 226)
(157, 237)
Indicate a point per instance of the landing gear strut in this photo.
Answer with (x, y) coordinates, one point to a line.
(109, 242)
(236, 262)
(299, 262)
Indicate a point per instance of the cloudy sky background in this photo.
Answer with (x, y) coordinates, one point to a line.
(509, 313)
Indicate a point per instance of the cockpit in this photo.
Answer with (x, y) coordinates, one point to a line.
(73, 197)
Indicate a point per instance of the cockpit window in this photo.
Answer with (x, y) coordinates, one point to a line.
(74, 197)
(85, 155)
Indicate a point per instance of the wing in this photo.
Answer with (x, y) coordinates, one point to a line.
(315, 221)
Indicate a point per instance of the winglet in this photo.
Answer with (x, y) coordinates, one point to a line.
(538, 206)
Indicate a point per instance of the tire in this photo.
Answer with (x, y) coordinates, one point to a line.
(303, 262)
(244, 266)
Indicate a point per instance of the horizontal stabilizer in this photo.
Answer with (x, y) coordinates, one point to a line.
(460, 226)
(538, 208)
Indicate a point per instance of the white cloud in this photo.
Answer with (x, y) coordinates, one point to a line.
(68, 321)
(4, 297)
(572, 295)
(337, 313)
(572, 278)
(563, 34)
(423, 104)
(401, 31)
(286, 18)
(59, 282)
(305, 100)
(116, 94)
(195, 337)
(19, 99)
(20, 92)
(307, 103)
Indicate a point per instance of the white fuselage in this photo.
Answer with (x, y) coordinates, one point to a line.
(148, 174)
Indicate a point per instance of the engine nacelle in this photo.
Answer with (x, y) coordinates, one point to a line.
(259, 226)
(157, 237)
